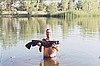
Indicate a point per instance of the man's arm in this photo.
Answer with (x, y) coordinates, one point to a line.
(40, 47)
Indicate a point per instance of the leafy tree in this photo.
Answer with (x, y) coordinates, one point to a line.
(52, 7)
(65, 4)
(90, 5)
(79, 5)
(70, 5)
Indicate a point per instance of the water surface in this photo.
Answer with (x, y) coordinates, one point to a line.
(79, 41)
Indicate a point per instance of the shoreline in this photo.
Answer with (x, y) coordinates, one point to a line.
(61, 14)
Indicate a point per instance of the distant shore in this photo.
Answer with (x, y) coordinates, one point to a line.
(60, 14)
(33, 14)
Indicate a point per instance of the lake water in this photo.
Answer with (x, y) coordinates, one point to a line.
(79, 41)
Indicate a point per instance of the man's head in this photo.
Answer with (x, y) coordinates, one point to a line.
(48, 33)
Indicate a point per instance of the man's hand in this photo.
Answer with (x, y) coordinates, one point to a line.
(39, 44)
(54, 46)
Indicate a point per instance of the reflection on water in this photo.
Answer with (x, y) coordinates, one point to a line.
(50, 62)
(77, 36)
(24, 28)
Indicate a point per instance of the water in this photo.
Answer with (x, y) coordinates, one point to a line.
(79, 41)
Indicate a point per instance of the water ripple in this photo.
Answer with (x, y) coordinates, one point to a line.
(77, 58)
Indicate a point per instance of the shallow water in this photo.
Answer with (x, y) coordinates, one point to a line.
(79, 41)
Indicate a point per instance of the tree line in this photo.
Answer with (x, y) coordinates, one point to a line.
(40, 5)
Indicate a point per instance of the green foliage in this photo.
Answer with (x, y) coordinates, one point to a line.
(31, 6)
(52, 7)
(90, 5)
(0, 10)
(65, 4)
(86, 7)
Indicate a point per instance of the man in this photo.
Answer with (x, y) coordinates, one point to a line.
(50, 58)
(51, 51)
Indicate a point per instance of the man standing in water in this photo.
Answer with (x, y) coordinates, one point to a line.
(50, 52)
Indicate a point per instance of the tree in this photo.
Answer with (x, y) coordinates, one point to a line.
(52, 7)
(67, 4)
(64, 4)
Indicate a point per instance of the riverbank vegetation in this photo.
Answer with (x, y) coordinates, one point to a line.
(73, 8)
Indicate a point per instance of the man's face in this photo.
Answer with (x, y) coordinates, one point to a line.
(48, 33)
